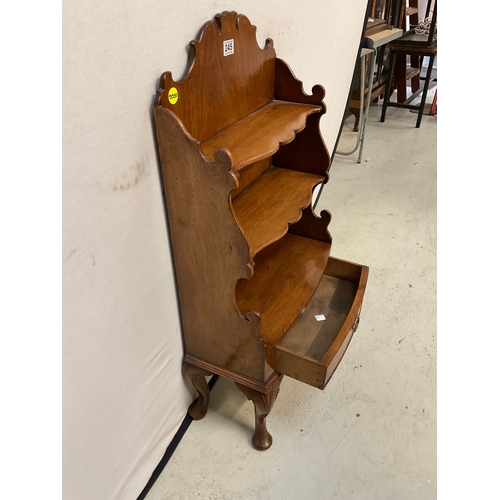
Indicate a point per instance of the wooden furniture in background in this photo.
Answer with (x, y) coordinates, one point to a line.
(241, 152)
(379, 16)
(374, 84)
(419, 45)
(387, 20)
(379, 30)
(407, 20)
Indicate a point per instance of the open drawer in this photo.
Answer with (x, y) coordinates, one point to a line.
(312, 348)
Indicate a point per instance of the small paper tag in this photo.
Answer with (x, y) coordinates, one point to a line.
(320, 317)
(228, 47)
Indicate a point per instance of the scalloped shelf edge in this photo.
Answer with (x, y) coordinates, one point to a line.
(286, 223)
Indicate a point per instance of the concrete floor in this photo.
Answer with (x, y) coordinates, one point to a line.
(371, 434)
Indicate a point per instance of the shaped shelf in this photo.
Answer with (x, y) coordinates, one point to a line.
(260, 134)
(285, 277)
(271, 203)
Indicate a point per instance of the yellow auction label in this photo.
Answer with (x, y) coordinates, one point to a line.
(173, 95)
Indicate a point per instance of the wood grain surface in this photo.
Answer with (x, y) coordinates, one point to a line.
(210, 252)
(241, 152)
(265, 210)
(311, 350)
(286, 275)
(219, 90)
(260, 134)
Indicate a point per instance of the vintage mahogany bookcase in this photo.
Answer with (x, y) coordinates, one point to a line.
(241, 151)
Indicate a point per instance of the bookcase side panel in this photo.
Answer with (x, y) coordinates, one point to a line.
(210, 252)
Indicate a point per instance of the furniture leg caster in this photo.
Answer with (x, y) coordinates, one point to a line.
(263, 404)
(196, 377)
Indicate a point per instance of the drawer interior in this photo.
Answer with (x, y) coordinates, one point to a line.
(311, 335)
(315, 343)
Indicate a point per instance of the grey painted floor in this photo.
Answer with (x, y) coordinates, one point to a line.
(371, 434)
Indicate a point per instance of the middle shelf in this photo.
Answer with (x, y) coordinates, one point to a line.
(260, 134)
(286, 275)
(275, 200)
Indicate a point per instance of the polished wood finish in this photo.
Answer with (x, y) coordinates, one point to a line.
(210, 251)
(249, 175)
(312, 226)
(288, 87)
(232, 375)
(285, 277)
(241, 151)
(265, 210)
(312, 349)
(260, 135)
(307, 152)
(196, 377)
(263, 404)
(225, 88)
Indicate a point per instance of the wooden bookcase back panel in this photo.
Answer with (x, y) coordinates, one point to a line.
(312, 226)
(249, 175)
(307, 152)
(227, 47)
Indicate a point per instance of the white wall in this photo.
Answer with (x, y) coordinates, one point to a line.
(123, 394)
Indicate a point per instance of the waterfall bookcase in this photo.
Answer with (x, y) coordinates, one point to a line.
(241, 152)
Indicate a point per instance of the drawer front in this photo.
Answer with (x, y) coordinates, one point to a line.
(314, 345)
(332, 366)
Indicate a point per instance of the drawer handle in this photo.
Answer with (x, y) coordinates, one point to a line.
(356, 323)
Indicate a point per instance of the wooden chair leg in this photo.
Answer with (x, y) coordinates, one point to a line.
(263, 404)
(196, 377)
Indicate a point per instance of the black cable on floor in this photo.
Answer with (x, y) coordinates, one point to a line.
(171, 448)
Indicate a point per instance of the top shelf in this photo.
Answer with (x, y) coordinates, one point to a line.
(260, 134)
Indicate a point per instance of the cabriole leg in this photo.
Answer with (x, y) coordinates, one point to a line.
(263, 404)
(196, 377)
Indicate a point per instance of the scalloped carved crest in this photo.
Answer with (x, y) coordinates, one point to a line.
(226, 46)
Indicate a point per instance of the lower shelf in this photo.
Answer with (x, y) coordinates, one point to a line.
(313, 347)
(285, 276)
